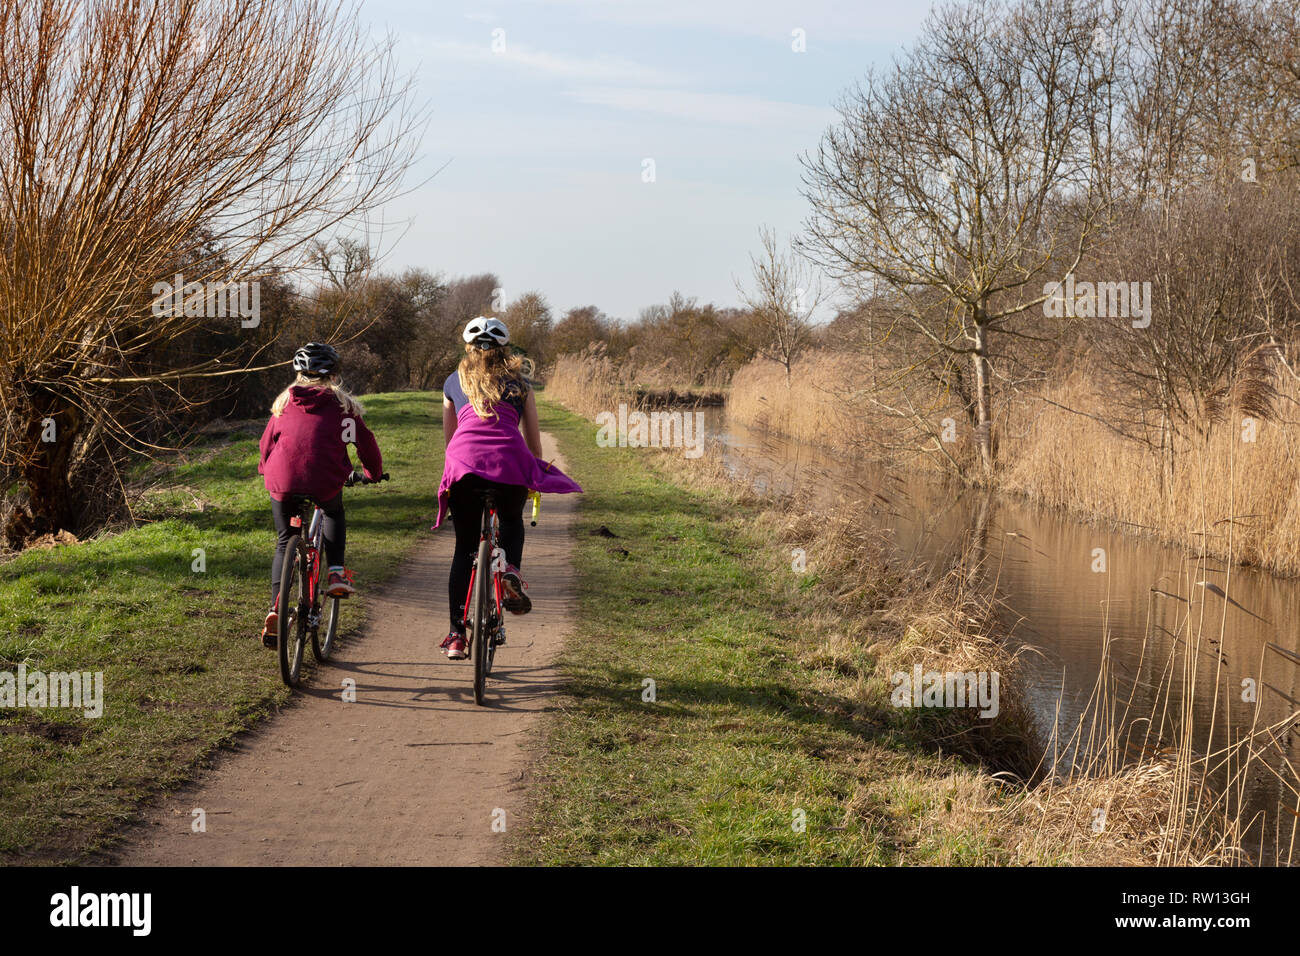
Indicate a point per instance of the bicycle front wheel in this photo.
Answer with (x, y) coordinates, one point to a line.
(322, 644)
(294, 608)
(481, 615)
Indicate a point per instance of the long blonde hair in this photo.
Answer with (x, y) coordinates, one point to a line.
(332, 382)
(486, 373)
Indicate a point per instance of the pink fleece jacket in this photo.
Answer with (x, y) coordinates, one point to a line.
(303, 448)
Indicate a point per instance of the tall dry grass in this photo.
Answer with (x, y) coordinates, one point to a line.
(826, 403)
(808, 407)
(590, 381)
(1145, 780)
(1126, 784)
(587, 383)
(1227, 496)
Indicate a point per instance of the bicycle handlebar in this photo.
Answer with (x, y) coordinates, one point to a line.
(359, 477)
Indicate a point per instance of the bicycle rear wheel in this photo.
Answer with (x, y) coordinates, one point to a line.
(323, 646)
(481, 616)
(293, 608)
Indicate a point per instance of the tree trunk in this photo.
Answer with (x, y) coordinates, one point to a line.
(983, 401)
(51, 505)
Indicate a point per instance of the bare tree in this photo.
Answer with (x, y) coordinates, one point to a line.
(1264, 54)
(1211, 112)
(1219, 313)
(967, 177)
(785, 294)
(344, 262)
(215, 139)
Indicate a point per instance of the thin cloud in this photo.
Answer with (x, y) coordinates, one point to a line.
(719, 108)
(595, 69)
(823, 19)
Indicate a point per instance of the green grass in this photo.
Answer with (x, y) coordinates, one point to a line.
(745, 732)
(183, 671)
(743, 737)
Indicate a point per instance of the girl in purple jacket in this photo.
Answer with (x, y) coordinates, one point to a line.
(305, 455)
(486, 403)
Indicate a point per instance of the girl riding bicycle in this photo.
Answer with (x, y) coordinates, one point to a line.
(305, 455)
(486, 402)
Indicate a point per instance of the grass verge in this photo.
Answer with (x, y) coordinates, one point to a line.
(758, 745)
(182, 670)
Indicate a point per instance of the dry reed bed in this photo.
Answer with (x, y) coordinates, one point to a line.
(586, 384)
(810, 405)
(825, 403)
(1227, 496)
(592, 382)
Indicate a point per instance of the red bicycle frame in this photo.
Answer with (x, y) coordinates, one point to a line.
(313, 578)
(496, 573)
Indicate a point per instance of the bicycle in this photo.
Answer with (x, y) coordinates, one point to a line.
(484, 623)
(301, 571)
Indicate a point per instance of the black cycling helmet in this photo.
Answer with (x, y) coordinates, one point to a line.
(316, 359)
(486, 332)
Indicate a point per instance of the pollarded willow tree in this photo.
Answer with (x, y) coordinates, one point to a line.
(961, 182)
(145, 139)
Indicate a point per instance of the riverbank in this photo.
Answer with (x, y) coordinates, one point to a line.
(169, 612)
(730, 704)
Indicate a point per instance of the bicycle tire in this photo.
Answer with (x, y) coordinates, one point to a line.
(322, 648)
(480, 600)
(293, 578)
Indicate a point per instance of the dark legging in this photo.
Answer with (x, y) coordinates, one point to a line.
(467, 515)
(334, 528)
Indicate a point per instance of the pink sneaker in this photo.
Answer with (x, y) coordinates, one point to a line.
(271, 629)
(453, 645)
(339, 584)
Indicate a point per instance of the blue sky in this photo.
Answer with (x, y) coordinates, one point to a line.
(544, 141)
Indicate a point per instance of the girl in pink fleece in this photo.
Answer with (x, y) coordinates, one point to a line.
(494, 443)
(305, 456)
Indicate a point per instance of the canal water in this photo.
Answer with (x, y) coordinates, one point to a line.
(1170, 621)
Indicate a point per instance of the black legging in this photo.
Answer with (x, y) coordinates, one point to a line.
(334, 528)
(467, 515)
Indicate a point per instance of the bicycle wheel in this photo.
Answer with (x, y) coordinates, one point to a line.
(322, 647)
(480, 603)
(293, 609)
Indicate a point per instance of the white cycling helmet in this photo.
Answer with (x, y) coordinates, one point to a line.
(486, 332)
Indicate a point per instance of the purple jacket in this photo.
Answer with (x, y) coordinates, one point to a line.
(496, 450)
(303, 452)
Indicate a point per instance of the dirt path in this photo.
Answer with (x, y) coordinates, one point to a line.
(412, 772)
